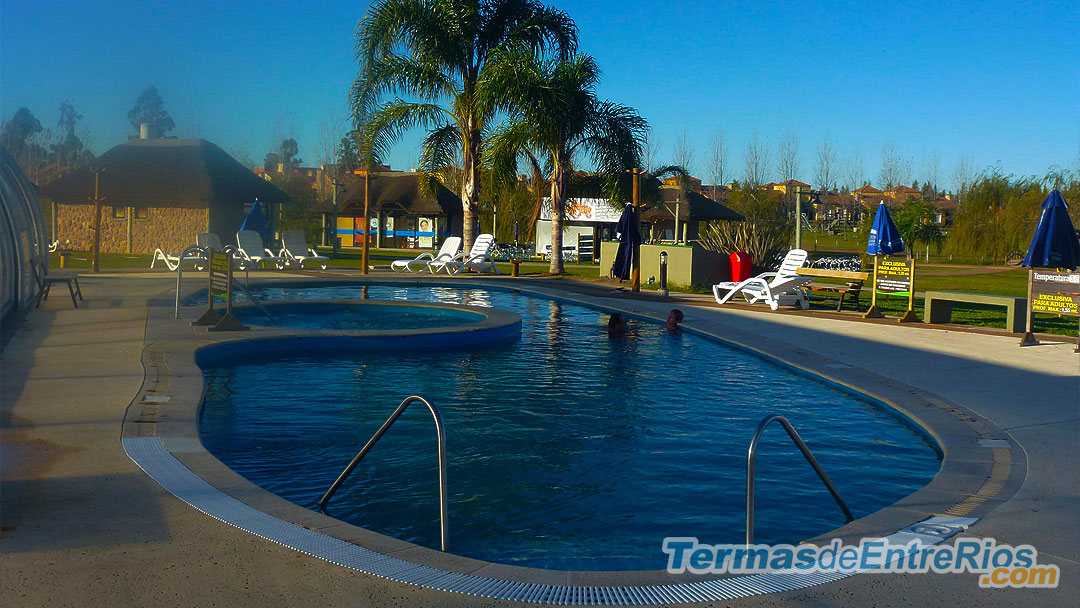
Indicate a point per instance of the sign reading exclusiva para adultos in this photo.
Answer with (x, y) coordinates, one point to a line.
(1055, 293)
(219, 273)
(894, 276)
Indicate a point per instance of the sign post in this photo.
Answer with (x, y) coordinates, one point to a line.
(894, 277)
(214, 287)
(221, 284)
(1051, 292)
(873, 312)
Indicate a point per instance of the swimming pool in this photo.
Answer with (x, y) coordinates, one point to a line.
(567, 449)
(359, 316)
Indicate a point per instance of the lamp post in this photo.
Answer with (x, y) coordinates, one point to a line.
(95, 245)
(336, 242)
(367, 223)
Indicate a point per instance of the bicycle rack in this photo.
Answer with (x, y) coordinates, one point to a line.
(440, 435)
(752, 453)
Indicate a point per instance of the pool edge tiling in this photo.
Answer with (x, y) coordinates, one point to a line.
(966, 470)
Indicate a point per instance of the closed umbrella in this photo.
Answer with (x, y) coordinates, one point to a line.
(255, 220)
(629, 235)
(1054, 244)
(885, 239)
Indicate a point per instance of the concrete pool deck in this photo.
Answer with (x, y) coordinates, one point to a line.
(82, 525)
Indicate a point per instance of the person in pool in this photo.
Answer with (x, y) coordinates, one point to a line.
(673, 319)
(616, 324)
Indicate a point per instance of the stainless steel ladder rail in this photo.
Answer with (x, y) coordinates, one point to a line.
(752, 453)
(180, 274)
(441, 436)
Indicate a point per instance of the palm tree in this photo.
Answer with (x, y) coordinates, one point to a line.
(437, 52)
(555, 111)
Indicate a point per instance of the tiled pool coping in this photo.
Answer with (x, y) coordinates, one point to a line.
(971, 481)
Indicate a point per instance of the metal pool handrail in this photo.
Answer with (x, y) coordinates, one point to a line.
(180, 275)
(440, 435)
(805, 452)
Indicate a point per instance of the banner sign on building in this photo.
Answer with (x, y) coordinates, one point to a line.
(585, 210)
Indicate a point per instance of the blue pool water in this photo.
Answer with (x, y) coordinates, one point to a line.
(568, 449)
(352, 316)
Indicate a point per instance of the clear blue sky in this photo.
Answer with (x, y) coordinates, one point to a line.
(998, 82)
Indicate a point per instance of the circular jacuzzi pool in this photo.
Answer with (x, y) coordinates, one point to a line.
(569, 448)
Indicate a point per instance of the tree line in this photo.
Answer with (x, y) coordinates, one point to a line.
(45, 154)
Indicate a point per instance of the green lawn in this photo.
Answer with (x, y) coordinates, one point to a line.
(1007, 282)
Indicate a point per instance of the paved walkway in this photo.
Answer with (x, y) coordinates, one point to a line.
(83, 526)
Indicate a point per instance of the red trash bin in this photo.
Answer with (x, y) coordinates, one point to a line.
(741, 264)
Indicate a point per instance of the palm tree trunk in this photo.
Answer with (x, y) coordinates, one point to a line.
(470, 188)
(558, 203)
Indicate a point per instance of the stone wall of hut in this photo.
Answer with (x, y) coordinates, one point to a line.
(168, 228)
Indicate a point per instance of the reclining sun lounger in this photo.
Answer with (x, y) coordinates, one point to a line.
(173, 261)
(295, 250)
(251, 253)
(449, 250)
(478, 258)
(775, 288)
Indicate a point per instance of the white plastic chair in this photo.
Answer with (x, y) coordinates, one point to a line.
(172, 261)
(295, 250)
(781, 287)
(448, 251)
(209, 239)
(250, 251)
(478, 259)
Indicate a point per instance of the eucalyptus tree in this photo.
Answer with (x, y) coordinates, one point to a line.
(554, 110)
(437, 53)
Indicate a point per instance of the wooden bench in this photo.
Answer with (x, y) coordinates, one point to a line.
(45, 280)
(938, 307)
(854, 284)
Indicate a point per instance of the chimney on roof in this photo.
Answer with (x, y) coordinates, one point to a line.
(147, 131)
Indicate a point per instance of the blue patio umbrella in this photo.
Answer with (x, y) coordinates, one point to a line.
(255, 220)
(1054, 244)
(629, 235)
(885, 239)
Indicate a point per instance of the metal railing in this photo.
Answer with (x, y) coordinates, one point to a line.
(232, 251)
(440, 435)
(180, 274)
(752, 453)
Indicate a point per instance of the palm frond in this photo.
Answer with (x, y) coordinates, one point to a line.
(388, 123)
(441, 148)
(503, 150)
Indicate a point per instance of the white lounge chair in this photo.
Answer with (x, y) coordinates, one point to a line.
(209, 239)
(776, 288)
(478, 259)
(250, 252)
(295, 250)
(448, 251)
(172, 261)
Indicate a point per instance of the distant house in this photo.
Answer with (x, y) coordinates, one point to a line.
(866, 191)
(158, 193)
(692, 183)
(902, 194)
(399, 215)
(789, 186)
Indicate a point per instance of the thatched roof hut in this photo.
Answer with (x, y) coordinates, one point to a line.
(159, 193)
